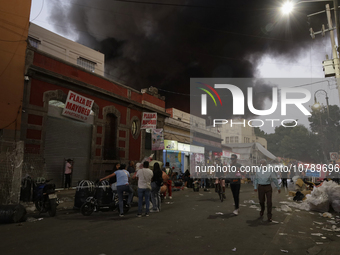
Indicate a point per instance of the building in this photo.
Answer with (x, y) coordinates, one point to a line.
(14, 25)
(239, 132)
(111, 132)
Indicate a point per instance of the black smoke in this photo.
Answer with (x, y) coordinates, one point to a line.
(146, 44)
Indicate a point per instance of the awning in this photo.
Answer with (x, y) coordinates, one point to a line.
(265, 152)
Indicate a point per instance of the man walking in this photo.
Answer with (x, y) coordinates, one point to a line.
(144, 176)
(68, 173)
(235, 182)
(262, 183)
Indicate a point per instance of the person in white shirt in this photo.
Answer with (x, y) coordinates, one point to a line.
(144, 176)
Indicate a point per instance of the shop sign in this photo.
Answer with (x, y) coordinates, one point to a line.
(157, 139)
(196, 149)
(149, 120)
(170, 145)
(183, 147)
(77, 106)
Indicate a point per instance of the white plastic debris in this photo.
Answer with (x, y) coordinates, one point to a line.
(286, 208)
(282, 234)
(301, 232)
(285, 251)
(275, 222)
(327, 215)
(253, 206)
(319, 242)
(319, 223)
(316, 234)
(220, 213)
(278, 209)
(234, 249)
(324, 237)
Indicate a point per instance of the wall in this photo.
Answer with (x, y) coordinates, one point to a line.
(14, 24)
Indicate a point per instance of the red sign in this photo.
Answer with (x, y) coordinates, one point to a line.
(149, 120)
(77, 107)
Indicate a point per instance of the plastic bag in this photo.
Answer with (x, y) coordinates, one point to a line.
(336, 205)
(286, 208)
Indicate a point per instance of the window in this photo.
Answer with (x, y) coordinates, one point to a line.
(134, 127)
(231, 139)
(110, 151)
(33, 42)
(227, 140)
(87, 64)
(236, 139)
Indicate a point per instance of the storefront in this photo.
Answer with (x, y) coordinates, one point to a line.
(181, 155)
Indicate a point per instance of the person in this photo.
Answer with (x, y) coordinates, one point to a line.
(235, 182)
(122, 185)
(262, 185)
(284, 176)
(68, 173)
(186, 178)
(131, 168)
(220, 180)
(169, 172)
(156, 183)
(144, 176)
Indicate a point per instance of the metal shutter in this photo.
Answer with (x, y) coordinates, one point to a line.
(67, 139)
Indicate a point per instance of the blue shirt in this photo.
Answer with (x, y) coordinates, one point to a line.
(122, 177)
(265, 177)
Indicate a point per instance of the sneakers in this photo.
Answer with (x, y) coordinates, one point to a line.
(139, 215)
(170, 197)
(121, 215)
(154, 210)
(147, 214)
(236, 212)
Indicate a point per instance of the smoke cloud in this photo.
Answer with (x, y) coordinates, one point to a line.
(163, 46)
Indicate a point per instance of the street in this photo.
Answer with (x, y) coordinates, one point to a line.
(190, 223)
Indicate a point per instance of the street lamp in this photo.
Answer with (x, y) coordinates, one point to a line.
(317, 105)
(288, 6)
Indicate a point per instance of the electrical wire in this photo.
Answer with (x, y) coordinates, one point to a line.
(42, 7)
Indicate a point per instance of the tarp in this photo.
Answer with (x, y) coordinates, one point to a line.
(265, 152)
(245, 149)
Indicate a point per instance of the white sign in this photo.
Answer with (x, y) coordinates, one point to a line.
(149, 120)
(334, 155)
(196, 149)
(157, 139)
(77, 107)
(183, 147)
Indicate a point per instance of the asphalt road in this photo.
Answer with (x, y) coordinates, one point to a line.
(191, 224)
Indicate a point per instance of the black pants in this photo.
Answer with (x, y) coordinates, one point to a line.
(284, 182)
(67, 180)
(235, 189)
(265, 191)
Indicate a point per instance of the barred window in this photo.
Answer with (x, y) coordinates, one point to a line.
(87, 64)
(33, 42)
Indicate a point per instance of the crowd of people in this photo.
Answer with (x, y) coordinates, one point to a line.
(151, 185)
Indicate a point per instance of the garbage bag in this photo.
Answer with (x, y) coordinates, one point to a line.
(12, 213)
(336, 205)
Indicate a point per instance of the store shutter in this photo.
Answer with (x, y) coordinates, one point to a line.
(66, 138)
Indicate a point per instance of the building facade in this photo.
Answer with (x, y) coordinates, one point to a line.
(111, 134)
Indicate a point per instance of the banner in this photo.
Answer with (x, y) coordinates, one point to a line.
(149, 120)
(157, 139)
(77, 107)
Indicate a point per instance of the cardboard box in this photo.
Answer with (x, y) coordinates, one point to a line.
(292, 193)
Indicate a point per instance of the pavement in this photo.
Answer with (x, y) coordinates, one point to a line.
(190, 223)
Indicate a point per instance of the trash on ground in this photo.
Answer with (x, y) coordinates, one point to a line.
(311, 212)
(320, 223)
(323, 237)
(286, 208)
(332, 221)
(169, 203)
(253, 206)
(319, 242)
(316, 234)
(275, 222)
(278, 209)
(234, 249)
(285, 251)
(282, 234)
(201, 194)
(221, 213)
(327, 215)
(301, 232)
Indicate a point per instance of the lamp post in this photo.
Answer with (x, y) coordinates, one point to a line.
(288, 7)
(317, 106)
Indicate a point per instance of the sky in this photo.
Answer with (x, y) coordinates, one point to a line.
(163, 46)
